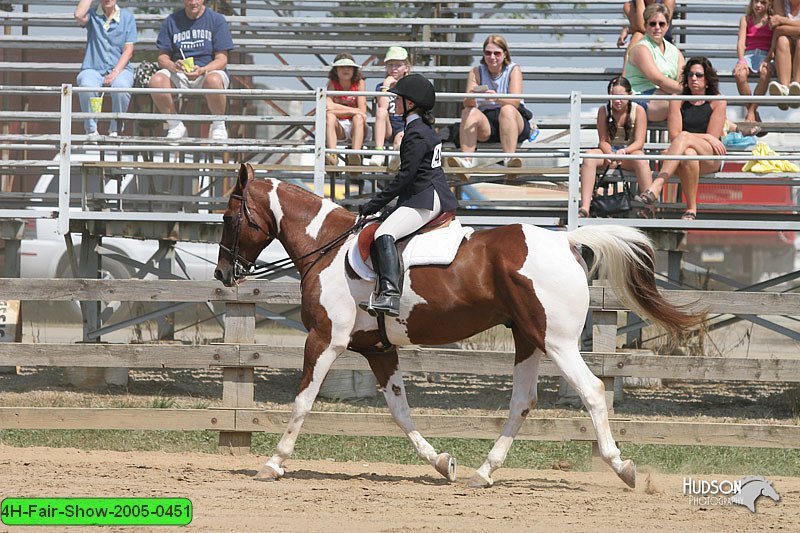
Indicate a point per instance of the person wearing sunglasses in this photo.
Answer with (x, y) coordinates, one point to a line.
(636, 28)
(654, 63)
(695, 128)
(503, 120)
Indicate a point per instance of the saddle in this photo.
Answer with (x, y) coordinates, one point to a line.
(367, 234)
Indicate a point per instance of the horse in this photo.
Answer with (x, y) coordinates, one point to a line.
(532, 280)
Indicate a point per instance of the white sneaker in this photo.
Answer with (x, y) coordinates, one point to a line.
(113, 134)
(513, 162)
(218, 132)
(463, 162)
(794, 90)
(778, 89)
(92, 137)
(487, 161)
(375, 160)
(178, 132)
(394, 163)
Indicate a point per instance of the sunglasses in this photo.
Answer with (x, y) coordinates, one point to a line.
(496, 53)
(698, 75)
(659, 23)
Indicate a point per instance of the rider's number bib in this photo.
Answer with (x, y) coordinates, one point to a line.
(436, 160)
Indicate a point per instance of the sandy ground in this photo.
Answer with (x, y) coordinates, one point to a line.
(354, 497)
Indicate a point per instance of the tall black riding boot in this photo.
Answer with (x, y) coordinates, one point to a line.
(386, 263)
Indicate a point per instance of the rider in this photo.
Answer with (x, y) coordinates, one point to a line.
(420, 186)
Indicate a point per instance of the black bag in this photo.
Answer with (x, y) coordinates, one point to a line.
(143, 72)
(612, 202)
(526, 113)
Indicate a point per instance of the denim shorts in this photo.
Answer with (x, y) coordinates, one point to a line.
(645, 103)
(754, 58)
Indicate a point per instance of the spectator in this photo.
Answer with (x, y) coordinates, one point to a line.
(503, 120)
(754, 47)
(193, 47)
(785, 24)
(346, 115)
(654, 63)
(387, 120)
(694, 128)
(634, 11)
(110, 36)
(621, 128)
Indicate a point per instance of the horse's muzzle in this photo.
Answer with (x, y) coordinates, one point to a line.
(225, 276)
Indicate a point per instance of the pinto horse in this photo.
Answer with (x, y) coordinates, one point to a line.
(529, 279)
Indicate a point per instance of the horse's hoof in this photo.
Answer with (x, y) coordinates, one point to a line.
(268, 473)
(446, 466)
(628, 473)
(477, 481)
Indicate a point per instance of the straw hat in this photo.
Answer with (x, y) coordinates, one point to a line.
(346, 62)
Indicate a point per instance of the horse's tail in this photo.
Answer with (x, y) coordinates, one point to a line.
(625, 257)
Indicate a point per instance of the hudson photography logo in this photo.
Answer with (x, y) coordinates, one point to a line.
(725, 492)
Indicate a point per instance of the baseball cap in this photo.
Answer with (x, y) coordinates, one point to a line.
(397, 53)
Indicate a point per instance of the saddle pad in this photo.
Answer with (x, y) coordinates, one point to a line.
(437, 247)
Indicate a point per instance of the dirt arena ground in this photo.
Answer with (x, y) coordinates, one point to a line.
(355, 497)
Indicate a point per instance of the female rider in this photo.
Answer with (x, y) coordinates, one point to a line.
(420, 187)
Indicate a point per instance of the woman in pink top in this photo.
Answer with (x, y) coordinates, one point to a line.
(785, 24)
(754, 49)
(346, 115)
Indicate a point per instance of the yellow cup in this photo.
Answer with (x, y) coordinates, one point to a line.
(188, 64)
(96, 104)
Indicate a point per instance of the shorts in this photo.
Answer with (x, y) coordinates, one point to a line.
(180, 81)
(754, 58)
(398, 125)
(493, 116)
(645, 103)
(347, 127)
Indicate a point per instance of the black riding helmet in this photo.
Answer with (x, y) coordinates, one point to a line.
(418, 89)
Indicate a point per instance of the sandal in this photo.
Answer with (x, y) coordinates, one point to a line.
(689, 215)
(750, 130)
(647, 198)
(583, 213)
(647, 212)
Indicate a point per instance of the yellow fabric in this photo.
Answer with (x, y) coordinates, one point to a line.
(773, 165)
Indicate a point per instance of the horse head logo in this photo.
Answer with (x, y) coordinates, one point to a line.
(752, 488)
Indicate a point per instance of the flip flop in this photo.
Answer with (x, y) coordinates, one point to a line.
(750, 130)
(583, 213)
(689, 215)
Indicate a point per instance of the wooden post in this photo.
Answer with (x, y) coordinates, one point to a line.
(237, 382)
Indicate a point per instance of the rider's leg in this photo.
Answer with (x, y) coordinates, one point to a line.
(403, 221)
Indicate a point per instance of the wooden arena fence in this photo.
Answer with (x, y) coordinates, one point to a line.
(238, 356)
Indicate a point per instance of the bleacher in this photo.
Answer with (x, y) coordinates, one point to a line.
(565, 45)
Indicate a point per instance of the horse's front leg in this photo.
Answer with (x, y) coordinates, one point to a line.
(390, 378)
(319, 356)
(524, 396)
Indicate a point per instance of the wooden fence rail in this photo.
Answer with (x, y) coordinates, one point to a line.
(238, 356)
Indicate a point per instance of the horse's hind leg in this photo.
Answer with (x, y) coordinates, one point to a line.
(565, 355)
(386, 369)
(319, 356)
(523, 399)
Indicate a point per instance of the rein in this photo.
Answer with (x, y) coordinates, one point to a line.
(244, 267)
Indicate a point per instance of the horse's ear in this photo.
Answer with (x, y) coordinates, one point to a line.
(251, 174)
(245, 173)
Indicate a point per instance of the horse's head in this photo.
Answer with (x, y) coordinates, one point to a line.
(246, 231)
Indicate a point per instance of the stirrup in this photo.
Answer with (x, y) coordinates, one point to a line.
(367, 306)
(390, 307)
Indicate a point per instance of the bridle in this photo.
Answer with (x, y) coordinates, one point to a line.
(243, 267)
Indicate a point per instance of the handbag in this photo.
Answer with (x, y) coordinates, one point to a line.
(526, 113)
(612, 202)
(143, 72)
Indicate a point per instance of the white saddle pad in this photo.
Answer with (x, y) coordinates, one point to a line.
(437, 247)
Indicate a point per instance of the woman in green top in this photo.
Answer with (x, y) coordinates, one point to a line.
(655, 63)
